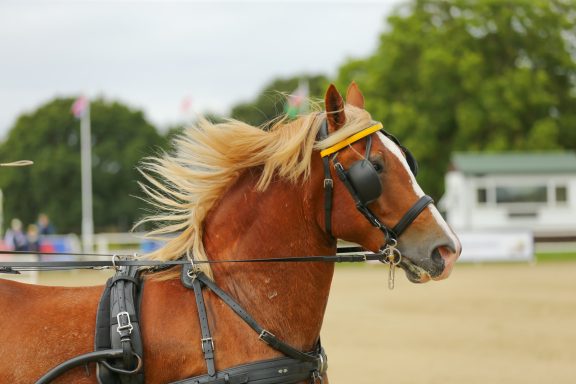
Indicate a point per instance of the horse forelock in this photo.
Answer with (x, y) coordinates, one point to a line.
(208, 158)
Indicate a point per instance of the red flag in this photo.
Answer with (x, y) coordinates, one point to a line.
(186, 104)
(79, 107)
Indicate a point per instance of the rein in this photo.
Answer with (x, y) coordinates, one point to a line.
(116, 261)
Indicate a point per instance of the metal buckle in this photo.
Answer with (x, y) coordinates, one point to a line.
(205, 340)
(328, 183)
(339, 166)
(264, 333)
(317, 377)
(124, 323)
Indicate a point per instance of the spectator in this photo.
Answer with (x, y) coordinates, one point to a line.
(15, 238)
(44, 225)
(33, 238)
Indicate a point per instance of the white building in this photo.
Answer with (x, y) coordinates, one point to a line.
(534, 191)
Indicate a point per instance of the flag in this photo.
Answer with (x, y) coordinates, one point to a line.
(186, 104)
(297, 102)
(80, 107)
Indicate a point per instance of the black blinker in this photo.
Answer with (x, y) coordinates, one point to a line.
(365, 181)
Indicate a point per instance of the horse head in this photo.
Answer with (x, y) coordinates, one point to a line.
(371, 171)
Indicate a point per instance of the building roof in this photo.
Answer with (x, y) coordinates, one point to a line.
(514, 162)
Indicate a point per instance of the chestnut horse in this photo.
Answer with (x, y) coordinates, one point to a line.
(232, 191)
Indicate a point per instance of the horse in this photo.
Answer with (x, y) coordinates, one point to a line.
(231, 191)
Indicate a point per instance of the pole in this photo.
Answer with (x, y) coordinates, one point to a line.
(86, 157)
(304, 86)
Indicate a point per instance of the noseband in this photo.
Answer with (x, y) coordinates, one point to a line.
(363, 183)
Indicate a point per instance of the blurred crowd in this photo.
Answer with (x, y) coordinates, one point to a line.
(16, 239)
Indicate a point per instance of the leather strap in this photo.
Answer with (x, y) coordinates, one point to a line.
(206, 341)
(412, 214)
(78, 361)
(364, 210)
(189, 276)
(274, 371)
(117, 327)
(328, 182)
(328, 192)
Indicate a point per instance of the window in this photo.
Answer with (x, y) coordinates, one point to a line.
(521, 194)
(482, 195)
(561, 194)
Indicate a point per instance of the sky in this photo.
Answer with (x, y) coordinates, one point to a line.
(154, 55)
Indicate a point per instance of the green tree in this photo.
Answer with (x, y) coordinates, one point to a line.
(473, 75)
(50, 136)
(271, 101)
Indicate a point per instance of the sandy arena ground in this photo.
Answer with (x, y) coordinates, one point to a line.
(512, 323)
(486, 324)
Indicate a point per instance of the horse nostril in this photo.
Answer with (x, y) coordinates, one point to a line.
(437, 262)
(437, 257)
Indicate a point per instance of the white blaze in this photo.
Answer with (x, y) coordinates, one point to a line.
(392, 147)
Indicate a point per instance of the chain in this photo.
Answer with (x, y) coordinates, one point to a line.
(392, 257)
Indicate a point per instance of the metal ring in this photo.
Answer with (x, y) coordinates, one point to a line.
(114, 262)
(322, 365)
(392, 255)
(194, 269)
(395, 260)
(125, 371)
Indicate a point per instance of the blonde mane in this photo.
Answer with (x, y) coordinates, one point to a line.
(207, 160)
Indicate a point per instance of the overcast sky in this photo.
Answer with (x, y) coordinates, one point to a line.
(153, 54)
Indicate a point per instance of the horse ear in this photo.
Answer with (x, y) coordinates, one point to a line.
(334, 109)
(354, 96)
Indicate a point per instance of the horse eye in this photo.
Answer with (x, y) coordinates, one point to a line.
(378, 167)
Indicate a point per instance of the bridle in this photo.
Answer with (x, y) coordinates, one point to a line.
(363, 183)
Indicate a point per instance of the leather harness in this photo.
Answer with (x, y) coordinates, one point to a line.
(118, 326)
(118, 340)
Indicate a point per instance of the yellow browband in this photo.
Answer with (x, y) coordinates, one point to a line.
(352, 139)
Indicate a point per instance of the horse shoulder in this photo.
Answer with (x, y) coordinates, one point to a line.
(40, 327)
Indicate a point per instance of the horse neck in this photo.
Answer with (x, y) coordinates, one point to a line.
(287, 298)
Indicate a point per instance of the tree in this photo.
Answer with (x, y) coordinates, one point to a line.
(50, 136)
(271, 101)
(473, 75)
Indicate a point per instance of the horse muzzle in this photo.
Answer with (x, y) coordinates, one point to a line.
(437, 266)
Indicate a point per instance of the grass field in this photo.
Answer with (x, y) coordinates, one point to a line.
(488, 323)
(555, 256)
